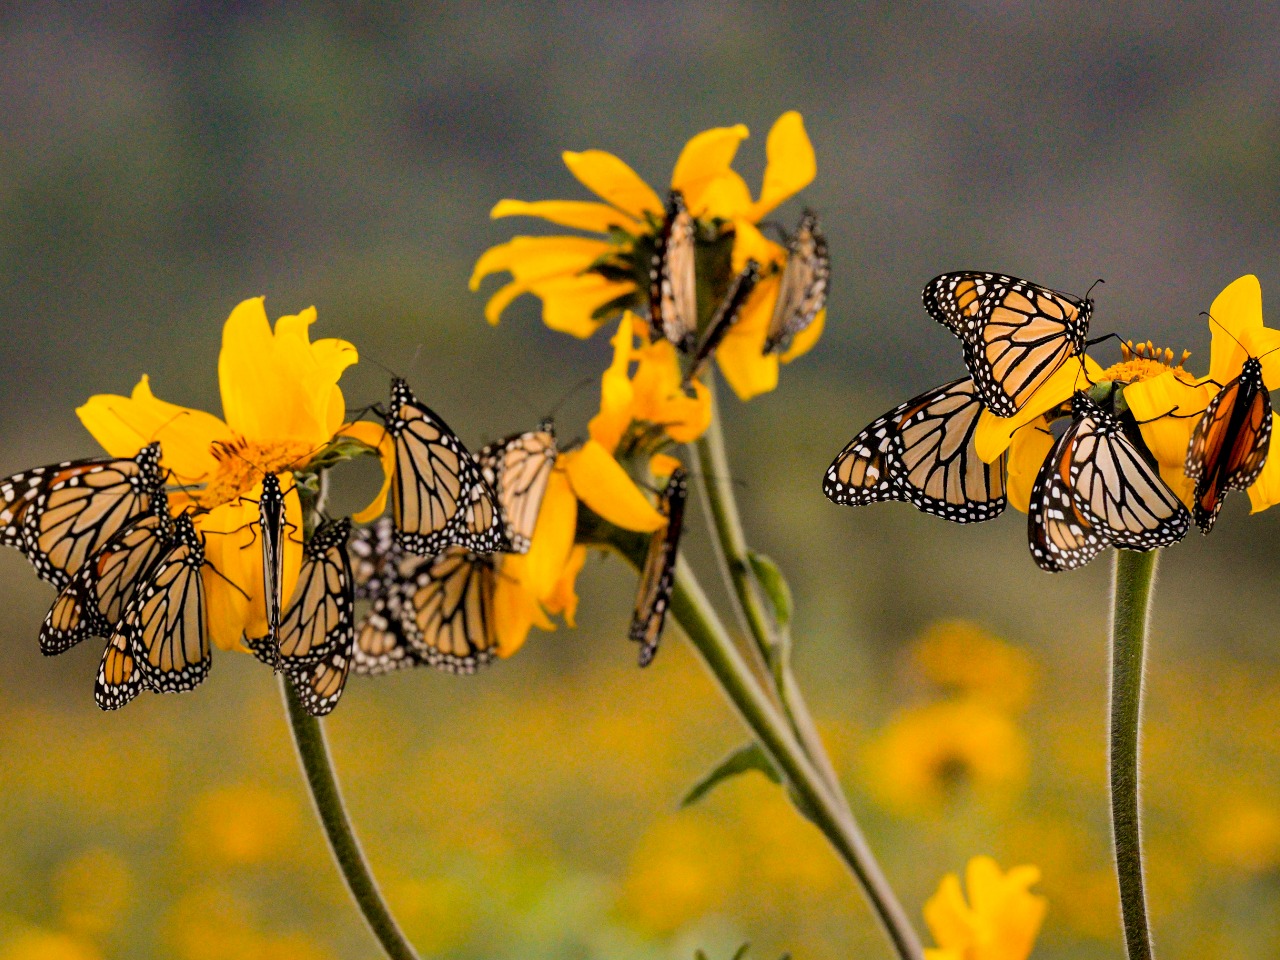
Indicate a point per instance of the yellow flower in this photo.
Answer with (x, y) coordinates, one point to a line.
(94, 891)
(926, 755)
(242, 824)
(583, 281)
(963, 657)
(999, 922)
(35, 944)
(281, 405)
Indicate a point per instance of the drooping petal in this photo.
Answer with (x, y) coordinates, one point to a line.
(600, 482)
(791, 164)
(569, 304)
(530, 259)
(375, 436)
(1265, 491)
(563, 599)
(993, 434)
(578, 214)
(515, 609)
(123, 425)
(748, 370)
(704, 159)
(660, 397)
(616, 392)
(1167, 408)
(1027, 453)
(750, 244)
(552, 539)
(1236, 316)
(613, 181)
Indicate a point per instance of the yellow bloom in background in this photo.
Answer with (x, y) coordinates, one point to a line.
(964, 658)
(684, 867)
(281, 406)
(34, 944)
(583, 281)
(1245, 835)
(929, 755)
(999, 921)
(93, 892)
(242, 824)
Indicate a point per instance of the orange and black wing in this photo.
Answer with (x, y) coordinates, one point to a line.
(673, 282)
(1015, 333)
(517, 469)
(657, 577)
(1061, 535)
(723, 320)
(802, 291)
(447, 611)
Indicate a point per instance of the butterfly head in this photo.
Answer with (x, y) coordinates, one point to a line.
(185, 534)
(1251, 372)
(148, 460)
(329, 534)
(675, 204)
(1083, 405)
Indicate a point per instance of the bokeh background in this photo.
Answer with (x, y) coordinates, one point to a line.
(163, 161)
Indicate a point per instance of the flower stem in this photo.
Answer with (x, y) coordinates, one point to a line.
(313, 754)
(1134, 579)
(692, 610)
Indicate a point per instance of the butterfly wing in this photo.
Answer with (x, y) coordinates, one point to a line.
(1229, 446)
(119, 675)
(1015, 333)
(95, 599)
(438, 496)
(447, 611)
(59, 516)
(673, 287)
(860, 473)
(320, 684)
(518, 469)
(1061, 536)
(657, 577)
(802, 291)
(382, 643)
(726, 315)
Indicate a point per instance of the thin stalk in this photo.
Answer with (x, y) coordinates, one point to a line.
(1134, 579)
(313, 754)
(692, 610)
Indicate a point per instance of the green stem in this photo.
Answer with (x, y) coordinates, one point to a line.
(690, 607)
(1134, 579)
(313, 753)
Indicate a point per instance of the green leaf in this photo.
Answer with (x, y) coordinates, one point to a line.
(775, 586)
(742, 760)
(742, 951)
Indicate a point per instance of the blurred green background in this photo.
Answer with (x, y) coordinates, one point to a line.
(162, 162)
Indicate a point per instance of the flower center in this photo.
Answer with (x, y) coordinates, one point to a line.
(242, 463)
(1144, 361)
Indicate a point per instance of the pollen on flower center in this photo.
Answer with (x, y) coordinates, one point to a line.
(242, 463)
(1145, 361)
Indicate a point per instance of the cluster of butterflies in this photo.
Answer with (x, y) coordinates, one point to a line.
(1098, 487)
(102, 532)
(673, 287)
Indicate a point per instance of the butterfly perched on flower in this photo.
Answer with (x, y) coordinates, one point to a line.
(58, 516)
(1096, 490)
(673, 282)
(802, 291)
(439, 496)
(922, 452)
(1015, 333)
(725, 316)
(1230, 443)
(517, 469)
(658, 575)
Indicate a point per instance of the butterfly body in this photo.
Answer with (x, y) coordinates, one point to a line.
(673, 286)
(1230, 443)
(922, 452)
(726, 315)
(272, 530)
(1015, 333)
(1096, 490)
(802, 291)
(657, 576)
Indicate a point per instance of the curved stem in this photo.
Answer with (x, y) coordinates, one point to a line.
(1134, 580)
(313, 754)
(693, 612)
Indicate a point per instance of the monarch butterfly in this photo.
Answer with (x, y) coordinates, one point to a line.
(160, 642)
(517, 469)
(725, 317)
(1015, 333)
(658, 575)
(318, 629)
(95, 599)
(60, 515)
(1229, 446)
(439, 496)
(381, 642)
(802, 292)
(1096, 490)
(922, 452)
(673, 283)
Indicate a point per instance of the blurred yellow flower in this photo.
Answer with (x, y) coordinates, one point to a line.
(32, 944)
(93, 891)
(242, 824)
(583, 281)
(282, 405)
(438, 913)
(684, 867)
(964, 658)
(1000, 921)
(209, 923)
(925, 756)
(1244, 835)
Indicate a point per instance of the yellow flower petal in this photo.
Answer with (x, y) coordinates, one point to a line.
(660, 397)
(662, 465)
(514, 607)
(1027, 453)
(563, 599)
(1001, 919)
(750, 244)
(616, 393)
(791, 164)
(552, 539)
(1175, 476)
(531, 259)
(580, 215)
(993, 434)
(747, 369)
(1152, 403)
(614, 181)
(124, 425)
(375, 436)
(1236, 315)
(704, 159)
(1265, 491)
(726, 197)
(600, 482)
(947, 914)
(803, 341)
(569, 303)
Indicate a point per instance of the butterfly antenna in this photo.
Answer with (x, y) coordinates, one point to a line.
(1090, 290)
(1213, 319)
(1103, 339)
(584, 382)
